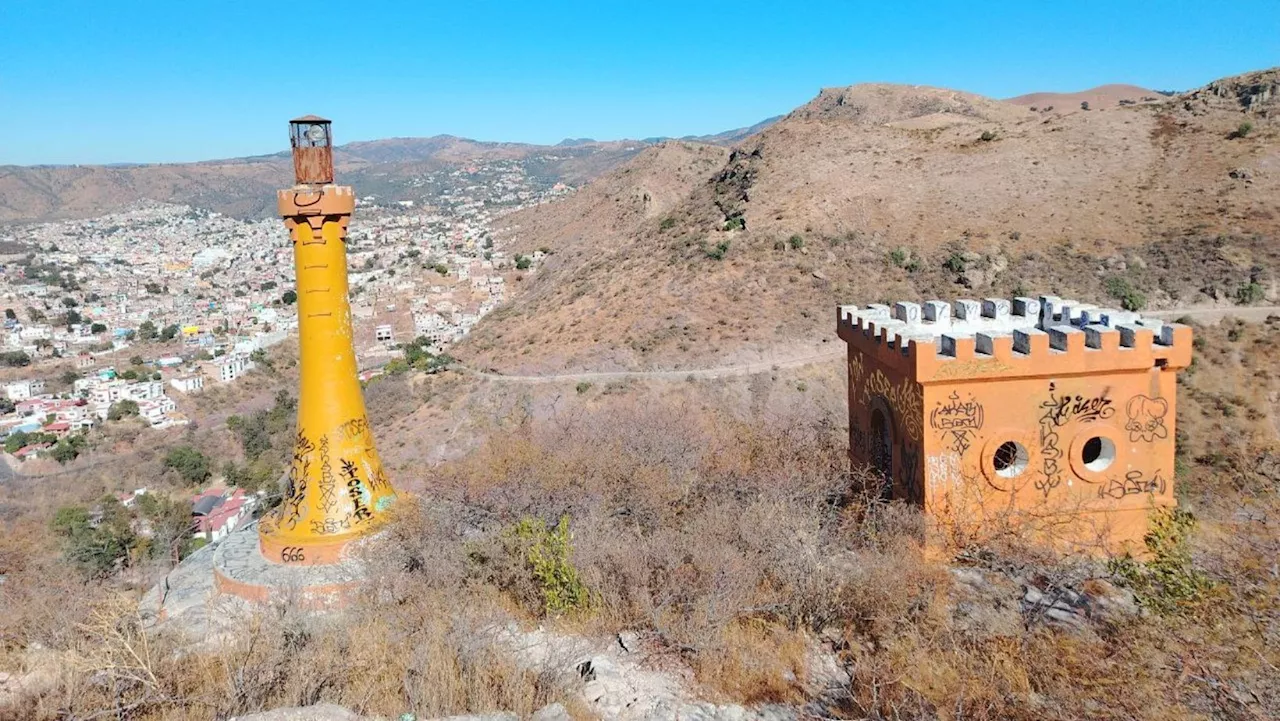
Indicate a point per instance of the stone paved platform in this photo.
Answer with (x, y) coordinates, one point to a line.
(239, 569)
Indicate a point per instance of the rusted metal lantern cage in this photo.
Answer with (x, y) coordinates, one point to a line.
(312, 142)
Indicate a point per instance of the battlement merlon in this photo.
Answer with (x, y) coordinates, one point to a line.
(1028, 337)
(307, 199)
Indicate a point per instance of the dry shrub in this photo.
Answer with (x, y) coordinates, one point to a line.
(426, 653)
(728, 541)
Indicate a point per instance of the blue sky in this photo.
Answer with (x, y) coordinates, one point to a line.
(142, 81)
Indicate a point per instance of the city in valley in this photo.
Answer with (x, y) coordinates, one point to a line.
(129, 313)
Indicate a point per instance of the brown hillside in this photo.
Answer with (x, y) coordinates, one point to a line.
(1099, 98)
(873, 193)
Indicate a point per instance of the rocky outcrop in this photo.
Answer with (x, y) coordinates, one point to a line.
(1256, 93)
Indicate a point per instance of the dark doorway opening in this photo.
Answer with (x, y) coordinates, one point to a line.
(882, 450)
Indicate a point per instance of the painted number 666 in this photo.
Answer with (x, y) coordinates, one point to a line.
(292, 554)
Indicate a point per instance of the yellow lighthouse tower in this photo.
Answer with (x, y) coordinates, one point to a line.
(336, 490)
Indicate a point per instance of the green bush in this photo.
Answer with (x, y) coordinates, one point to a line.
(718, 252)
(898, 257)
(582, 387)
(1121, 289)
(1168, 581)
(523, 262)
(121, 409)
(95, 548)
(67, 449)
(21, 439)
(15, 359)
(1243, 130)
(546, 554)
(735, 223)
(1249, 293)
(987, 136)
(191, 465)
(796, 242)
(955, 263)
(667, 224)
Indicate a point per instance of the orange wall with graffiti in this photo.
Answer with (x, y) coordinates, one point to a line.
(1058, 418)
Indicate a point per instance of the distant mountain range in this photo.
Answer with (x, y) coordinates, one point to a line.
(693, 255)
(246, 186)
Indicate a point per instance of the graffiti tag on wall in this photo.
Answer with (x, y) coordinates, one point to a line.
(904, 398)
(969, 368)
(1134, 483)
(1146, 418)
(957, 419)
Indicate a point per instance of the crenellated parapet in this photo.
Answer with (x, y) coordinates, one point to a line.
(936, 340)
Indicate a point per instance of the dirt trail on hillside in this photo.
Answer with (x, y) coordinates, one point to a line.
(1206, 316)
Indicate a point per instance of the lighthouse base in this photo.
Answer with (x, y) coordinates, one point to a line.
(241, 569)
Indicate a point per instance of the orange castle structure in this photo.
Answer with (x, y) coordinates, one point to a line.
(1042, 411)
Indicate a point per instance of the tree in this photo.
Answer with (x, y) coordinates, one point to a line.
(169, 333)
(15, 359)
(1084, 105)
(96, 548)
(289, 297)
(170, 523)
(97, 328)
(154, 288)
(69, 302)
(6, 406)
(122, 409)
(130, 375)
(9, 314)
(74, 317)
(67, 449)
(70, 377)
(136, 361)
(147, 331)
(192, 465)
(523, 262)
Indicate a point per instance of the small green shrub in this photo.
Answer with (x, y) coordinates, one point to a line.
(1130, 298)
(735, 223)
(1168, 581)
(955, 263)
(796, 242)
(582, 387)
(898, 257)
(667, 224)
(987, 136)
(1249, 293)
(718, 252)
(1243, 130)
(546, 556)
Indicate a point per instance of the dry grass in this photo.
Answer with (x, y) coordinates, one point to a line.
(735, 548)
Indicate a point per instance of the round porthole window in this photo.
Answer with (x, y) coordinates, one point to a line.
(1098, 453)
(1010, 459)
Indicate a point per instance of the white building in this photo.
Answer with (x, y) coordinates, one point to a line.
(22, 390)
(230, 367)
(188, 384)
